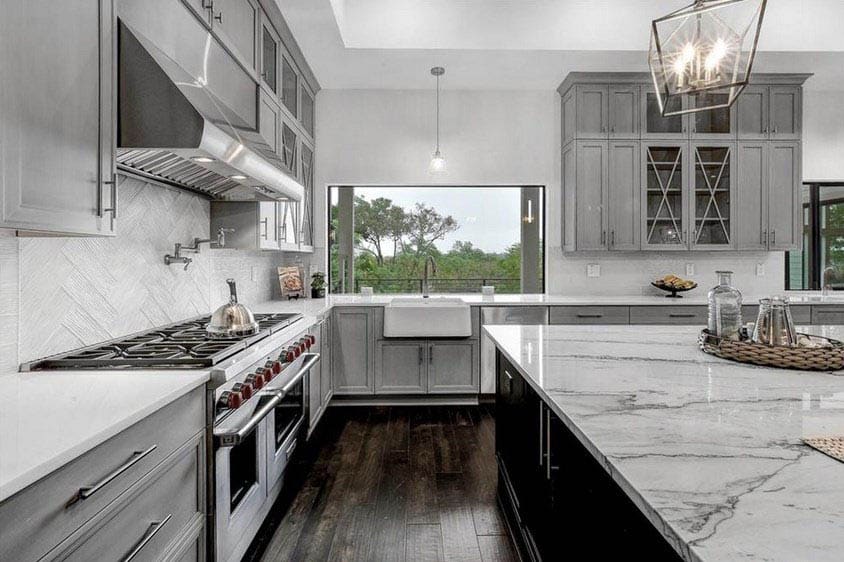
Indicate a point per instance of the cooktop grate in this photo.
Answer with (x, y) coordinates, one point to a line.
(182, 345)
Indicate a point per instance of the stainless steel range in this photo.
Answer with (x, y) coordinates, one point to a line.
(257, 408)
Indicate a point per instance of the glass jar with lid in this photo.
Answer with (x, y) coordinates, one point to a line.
(724, 307)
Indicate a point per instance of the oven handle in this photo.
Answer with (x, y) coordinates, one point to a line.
(232, 438)
(310, 360)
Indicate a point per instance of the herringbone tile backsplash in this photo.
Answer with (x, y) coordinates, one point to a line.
(72, 292)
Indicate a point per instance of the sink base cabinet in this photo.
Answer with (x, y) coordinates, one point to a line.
(554, 493)
(426, 367)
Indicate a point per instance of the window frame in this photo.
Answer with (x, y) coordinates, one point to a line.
(814, 250)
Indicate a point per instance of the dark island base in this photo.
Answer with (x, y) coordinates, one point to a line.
(556, 497)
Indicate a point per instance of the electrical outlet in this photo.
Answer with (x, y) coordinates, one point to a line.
(254, 273)
(593, 270)
(690, 270)
(760, 270)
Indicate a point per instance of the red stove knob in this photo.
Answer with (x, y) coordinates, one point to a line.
(313, 339)
(308, 342)
(274, 367)
(256, 380)
(230, 399)
(297, 350)
(267, 373)
(287, 356)
(245, 390)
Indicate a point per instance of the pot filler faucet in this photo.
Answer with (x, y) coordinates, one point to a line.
(428, 260)
(177, 256)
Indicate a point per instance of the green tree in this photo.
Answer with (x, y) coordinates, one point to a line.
(426, 226)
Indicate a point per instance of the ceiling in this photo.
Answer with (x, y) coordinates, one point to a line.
(530, 44)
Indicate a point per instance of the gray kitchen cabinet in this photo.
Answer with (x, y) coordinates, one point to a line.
(592, 175)
(664, 207)
(307, 102)
(269, 121)
(202, 9)
(712, 195)
(785, 112)
(270, 53)
(785, 224)
(592, 111)
(268, 225)
(51, 512)
(289, 148)
(800, 313)
(752, 113)
(624, 193)
(254, 224)
(654, 125)
(306, 220)
(289, 87)
(401, 367)
(623, 111)
(453, 366)
(825, 315)
(236, 23)
(569, 211)
(315, 395)
(568, 116)
(57, 117)
(718, 123)
(678, 314)
(589, 315)
(751, 226)
(353, 345)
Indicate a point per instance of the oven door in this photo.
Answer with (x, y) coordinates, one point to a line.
(240, 464)
(287, 419)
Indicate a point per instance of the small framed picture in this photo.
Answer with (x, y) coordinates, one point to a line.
(290, 282)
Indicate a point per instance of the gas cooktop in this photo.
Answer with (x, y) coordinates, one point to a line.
(183, 345)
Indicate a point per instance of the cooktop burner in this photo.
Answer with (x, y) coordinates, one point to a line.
(183, 345)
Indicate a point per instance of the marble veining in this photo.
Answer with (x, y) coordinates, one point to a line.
(710, 450)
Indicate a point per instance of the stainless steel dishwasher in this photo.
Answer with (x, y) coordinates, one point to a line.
(528, 315)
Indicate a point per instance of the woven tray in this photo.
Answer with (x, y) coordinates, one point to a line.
(831, 446)
(805, 358)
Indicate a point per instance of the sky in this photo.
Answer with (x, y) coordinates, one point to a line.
(488, 217)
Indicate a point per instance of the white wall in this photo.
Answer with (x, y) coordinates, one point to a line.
(823, 135)
(493, 137)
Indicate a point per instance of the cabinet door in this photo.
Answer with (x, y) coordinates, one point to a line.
(784, 205)
(752, 109)
(315, 390)
(236, 22)
(568, 113)
(307, 102)
(400, 367)
(288, 224)
(711, 196)
(452, 367)
(624, 112)
(352, 354)
(306, 206)
(269, 118)
(624, 192)
(786, 115)
(57, 117)
(569, 211)
(289, 86)
(654, 125)
(289, 146)
(325, 360)
(592, 170)
(592, 110)
(664, 219)
(267, 228)
(716, 123)
(270, 44)
(752, 196)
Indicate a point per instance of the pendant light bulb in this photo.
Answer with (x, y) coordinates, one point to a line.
(437, 165)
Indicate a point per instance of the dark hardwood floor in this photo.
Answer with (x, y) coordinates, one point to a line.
(391, 483)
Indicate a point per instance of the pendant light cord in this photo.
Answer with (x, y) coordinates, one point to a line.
(438, 114)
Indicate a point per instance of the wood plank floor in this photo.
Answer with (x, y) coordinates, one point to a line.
(392, 484)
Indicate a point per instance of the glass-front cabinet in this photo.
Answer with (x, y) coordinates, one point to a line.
(711, 124)
(306, 222)
(712, 195)
(664, 201)
(654, 125)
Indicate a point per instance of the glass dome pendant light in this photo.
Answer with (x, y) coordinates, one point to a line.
(701, 56)
(437, 164)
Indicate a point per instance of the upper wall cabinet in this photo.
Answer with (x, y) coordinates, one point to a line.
(57, 117)
(722, 179)
(236, 22)
(270, 46)
(289, 87)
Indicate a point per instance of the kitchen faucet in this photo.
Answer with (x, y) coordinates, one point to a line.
(428, 260)
(177, 256)
(826, 287)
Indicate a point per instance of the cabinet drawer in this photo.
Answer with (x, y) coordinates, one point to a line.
(689, 315)
(39, 517)
(800, 314)
(827, 315)
(589, 315)
(151, 518)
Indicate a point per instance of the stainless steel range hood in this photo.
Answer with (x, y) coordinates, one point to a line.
(173, 128)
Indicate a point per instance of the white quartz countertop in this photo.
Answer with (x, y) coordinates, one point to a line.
(710, 450)
(315, 307)
(48, 418)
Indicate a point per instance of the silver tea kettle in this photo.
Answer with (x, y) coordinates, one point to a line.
(232, 320)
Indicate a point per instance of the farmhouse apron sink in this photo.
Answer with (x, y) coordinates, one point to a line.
(418, 317)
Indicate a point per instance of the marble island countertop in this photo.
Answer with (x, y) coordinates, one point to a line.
(49, 418)
(708, 449)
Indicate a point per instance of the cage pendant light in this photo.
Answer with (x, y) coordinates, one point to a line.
(437, 165)
(701, 56)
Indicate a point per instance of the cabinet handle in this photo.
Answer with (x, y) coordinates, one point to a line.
(431, 354)
(265, 234)
(676, 315)
(148, 536)
(775, 130)
(773, 236)
(219, 17)
(509, 376)
(590, 316)
(291, 448)
(763, 237)
(603, 237)
(766, 130)
(612, 238)
(421, 355)
(548, 443)
(113, 209)
(541, 436)
(86, 492)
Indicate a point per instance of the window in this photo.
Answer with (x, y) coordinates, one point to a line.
(380, 237)
(822, 257)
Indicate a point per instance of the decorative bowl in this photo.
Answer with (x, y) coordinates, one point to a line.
(673, 290)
